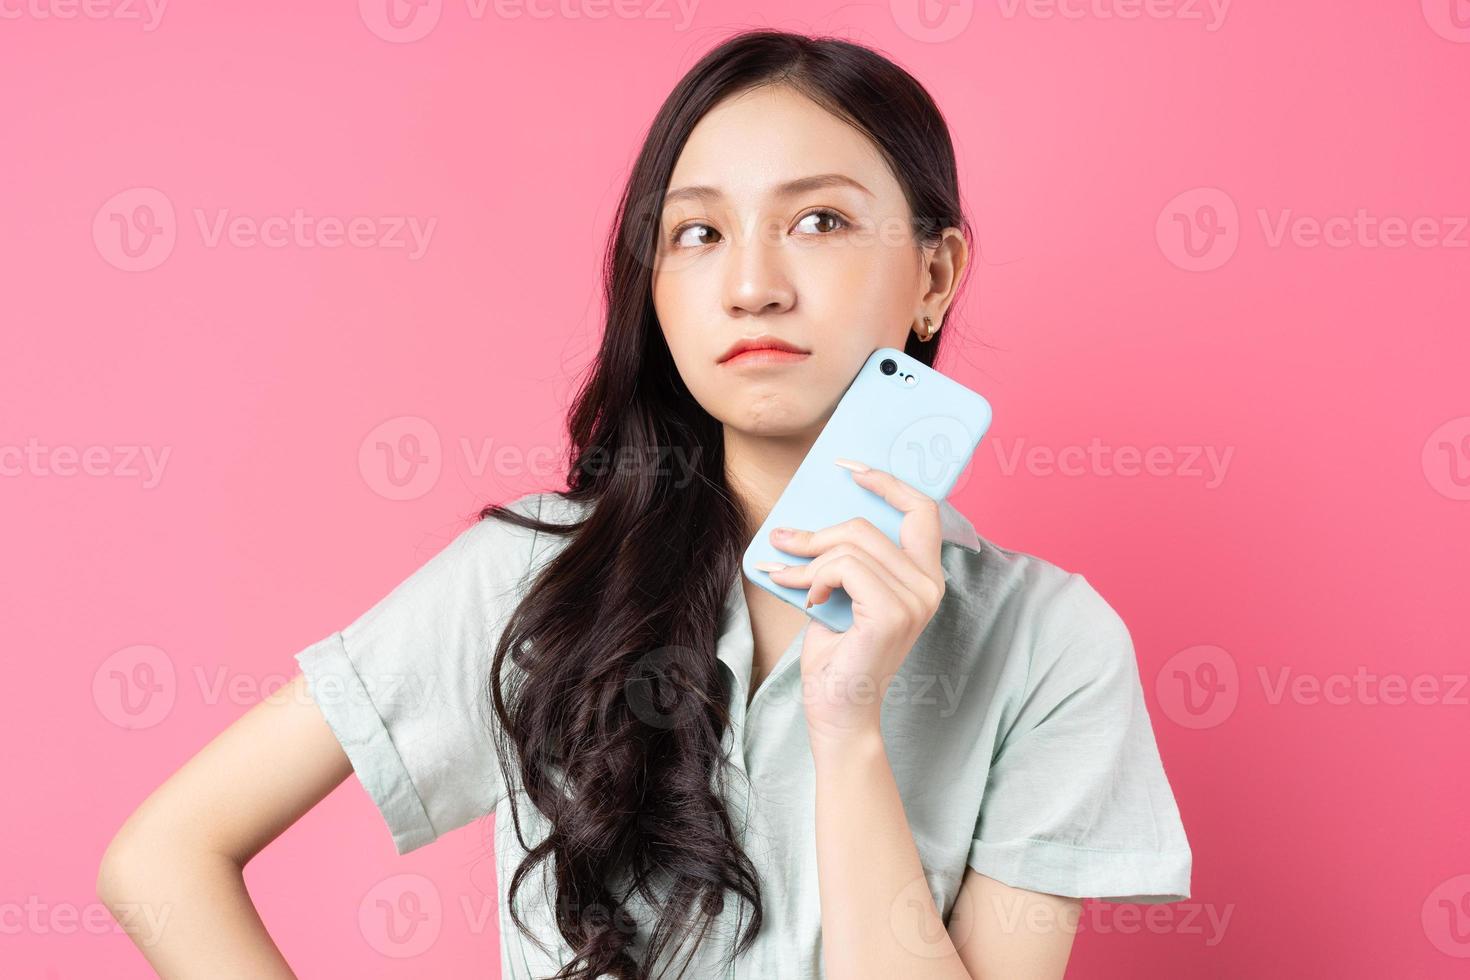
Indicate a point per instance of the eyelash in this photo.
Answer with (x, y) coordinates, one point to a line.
(673, 239)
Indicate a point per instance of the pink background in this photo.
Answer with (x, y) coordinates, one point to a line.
(1329, 543)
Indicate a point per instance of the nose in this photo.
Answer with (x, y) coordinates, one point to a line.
(756, 278)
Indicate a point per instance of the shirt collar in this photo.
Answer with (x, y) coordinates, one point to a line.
(735, 644)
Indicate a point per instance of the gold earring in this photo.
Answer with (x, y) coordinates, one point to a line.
(929, 330)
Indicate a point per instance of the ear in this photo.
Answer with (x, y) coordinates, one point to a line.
(943, 264)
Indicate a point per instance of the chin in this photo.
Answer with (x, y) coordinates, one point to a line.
(775, 417)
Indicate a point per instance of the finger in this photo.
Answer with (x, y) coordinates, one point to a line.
(872, 599)
(915, 591)
(803, 575)
(919, 533)
(863, 534)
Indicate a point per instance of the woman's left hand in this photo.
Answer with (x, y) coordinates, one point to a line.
(895, 591)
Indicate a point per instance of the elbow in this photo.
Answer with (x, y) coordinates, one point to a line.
(114, 871)
(136, 888)
(130, 866)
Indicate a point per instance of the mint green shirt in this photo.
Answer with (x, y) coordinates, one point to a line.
(1016, 728)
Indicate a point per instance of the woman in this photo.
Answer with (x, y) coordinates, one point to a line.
(930, 795)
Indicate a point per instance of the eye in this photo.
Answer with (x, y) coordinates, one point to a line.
(678, 233)
(833, 216)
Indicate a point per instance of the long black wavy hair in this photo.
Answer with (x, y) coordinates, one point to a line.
(623, 621)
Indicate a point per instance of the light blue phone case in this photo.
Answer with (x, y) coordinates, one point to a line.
(914, 422)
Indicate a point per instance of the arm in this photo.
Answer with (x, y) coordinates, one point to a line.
(1002, 931)
(878, 914)
(172, 875)
(879, 919)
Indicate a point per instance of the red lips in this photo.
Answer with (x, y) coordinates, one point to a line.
(762, 342)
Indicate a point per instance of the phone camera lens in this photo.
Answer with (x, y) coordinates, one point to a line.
(888, 366)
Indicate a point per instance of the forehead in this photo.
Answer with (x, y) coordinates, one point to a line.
(753, 141)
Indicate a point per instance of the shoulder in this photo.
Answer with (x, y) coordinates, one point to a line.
(536, 506)
(984, 575)
(511, 545)
(1033, 608)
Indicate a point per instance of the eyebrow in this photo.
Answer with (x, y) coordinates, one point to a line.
(788, 189)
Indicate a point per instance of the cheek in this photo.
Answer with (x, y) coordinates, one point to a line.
(860, 266)
(860, 296)
(678, 322)
(668, 311)
(677, 302)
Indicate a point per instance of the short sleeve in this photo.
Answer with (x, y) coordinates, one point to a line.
(1077, 802)
(405, 686)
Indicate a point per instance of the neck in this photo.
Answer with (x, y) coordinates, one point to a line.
(758, 468)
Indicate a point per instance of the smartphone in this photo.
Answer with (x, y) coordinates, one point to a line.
(899, 415)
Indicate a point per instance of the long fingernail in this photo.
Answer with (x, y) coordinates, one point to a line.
(769, 566)
(853, 465)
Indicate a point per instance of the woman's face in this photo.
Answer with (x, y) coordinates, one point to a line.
(829, 266)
